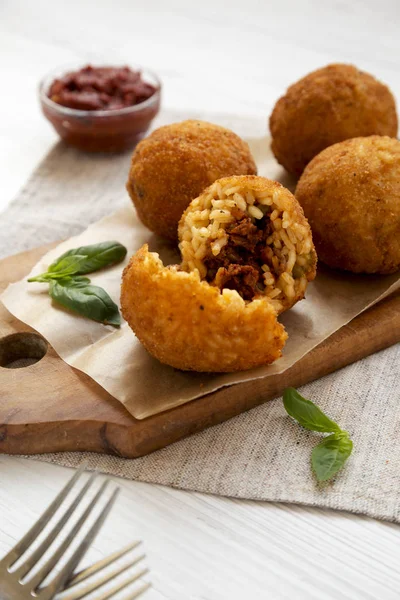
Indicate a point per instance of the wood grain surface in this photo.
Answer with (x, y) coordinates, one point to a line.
(52, 407)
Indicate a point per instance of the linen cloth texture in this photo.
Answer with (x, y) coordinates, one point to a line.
(261, 454)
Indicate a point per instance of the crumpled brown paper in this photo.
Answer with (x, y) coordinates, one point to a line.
(116, 360)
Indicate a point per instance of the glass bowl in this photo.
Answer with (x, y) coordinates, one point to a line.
(100, 130)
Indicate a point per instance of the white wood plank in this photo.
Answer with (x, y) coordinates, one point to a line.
(212, 548)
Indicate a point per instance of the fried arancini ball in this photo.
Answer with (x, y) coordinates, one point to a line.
(175, 163)
(249, 234)
(247, 255)
(188, 324)
(332, 104)
(350, 193)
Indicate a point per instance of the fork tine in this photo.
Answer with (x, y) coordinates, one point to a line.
(20, 547)
(121, 586)
(101, 564)
(38, 578)
(139, 591)
(59, 580)
(91, 587)
(38, 553)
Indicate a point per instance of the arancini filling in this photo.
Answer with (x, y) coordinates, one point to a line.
(248, 240)
(238, 266)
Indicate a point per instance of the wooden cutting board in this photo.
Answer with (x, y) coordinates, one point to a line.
(50, 407)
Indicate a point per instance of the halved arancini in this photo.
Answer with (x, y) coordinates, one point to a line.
(249, 234)
(188, 324)
(247, 255)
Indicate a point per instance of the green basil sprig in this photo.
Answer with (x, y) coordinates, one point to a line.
(71, 290)
(88, 300)
(331, 454)
(83, 260)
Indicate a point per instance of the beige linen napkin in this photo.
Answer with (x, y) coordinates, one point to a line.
(260, 454)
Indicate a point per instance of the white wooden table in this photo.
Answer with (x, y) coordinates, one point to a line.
(234, 57)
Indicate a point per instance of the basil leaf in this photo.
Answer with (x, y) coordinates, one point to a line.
(76, 281)
(95, 257)
(330, 455)
(42, 278)
(88, 300)
(65, 267)
(306, 413)
(69, 265)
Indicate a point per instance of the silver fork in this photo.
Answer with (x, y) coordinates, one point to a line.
(101, 565)
(14, 583)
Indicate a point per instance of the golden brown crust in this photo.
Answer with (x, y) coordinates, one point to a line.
(350, 193)
(327, 106)
(175, 163)
(190, 325)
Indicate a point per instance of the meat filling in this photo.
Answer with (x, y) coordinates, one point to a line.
(238, 264)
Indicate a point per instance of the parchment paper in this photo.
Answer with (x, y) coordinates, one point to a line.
(117, 361)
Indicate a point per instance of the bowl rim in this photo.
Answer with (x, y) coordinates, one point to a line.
(75, 112)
